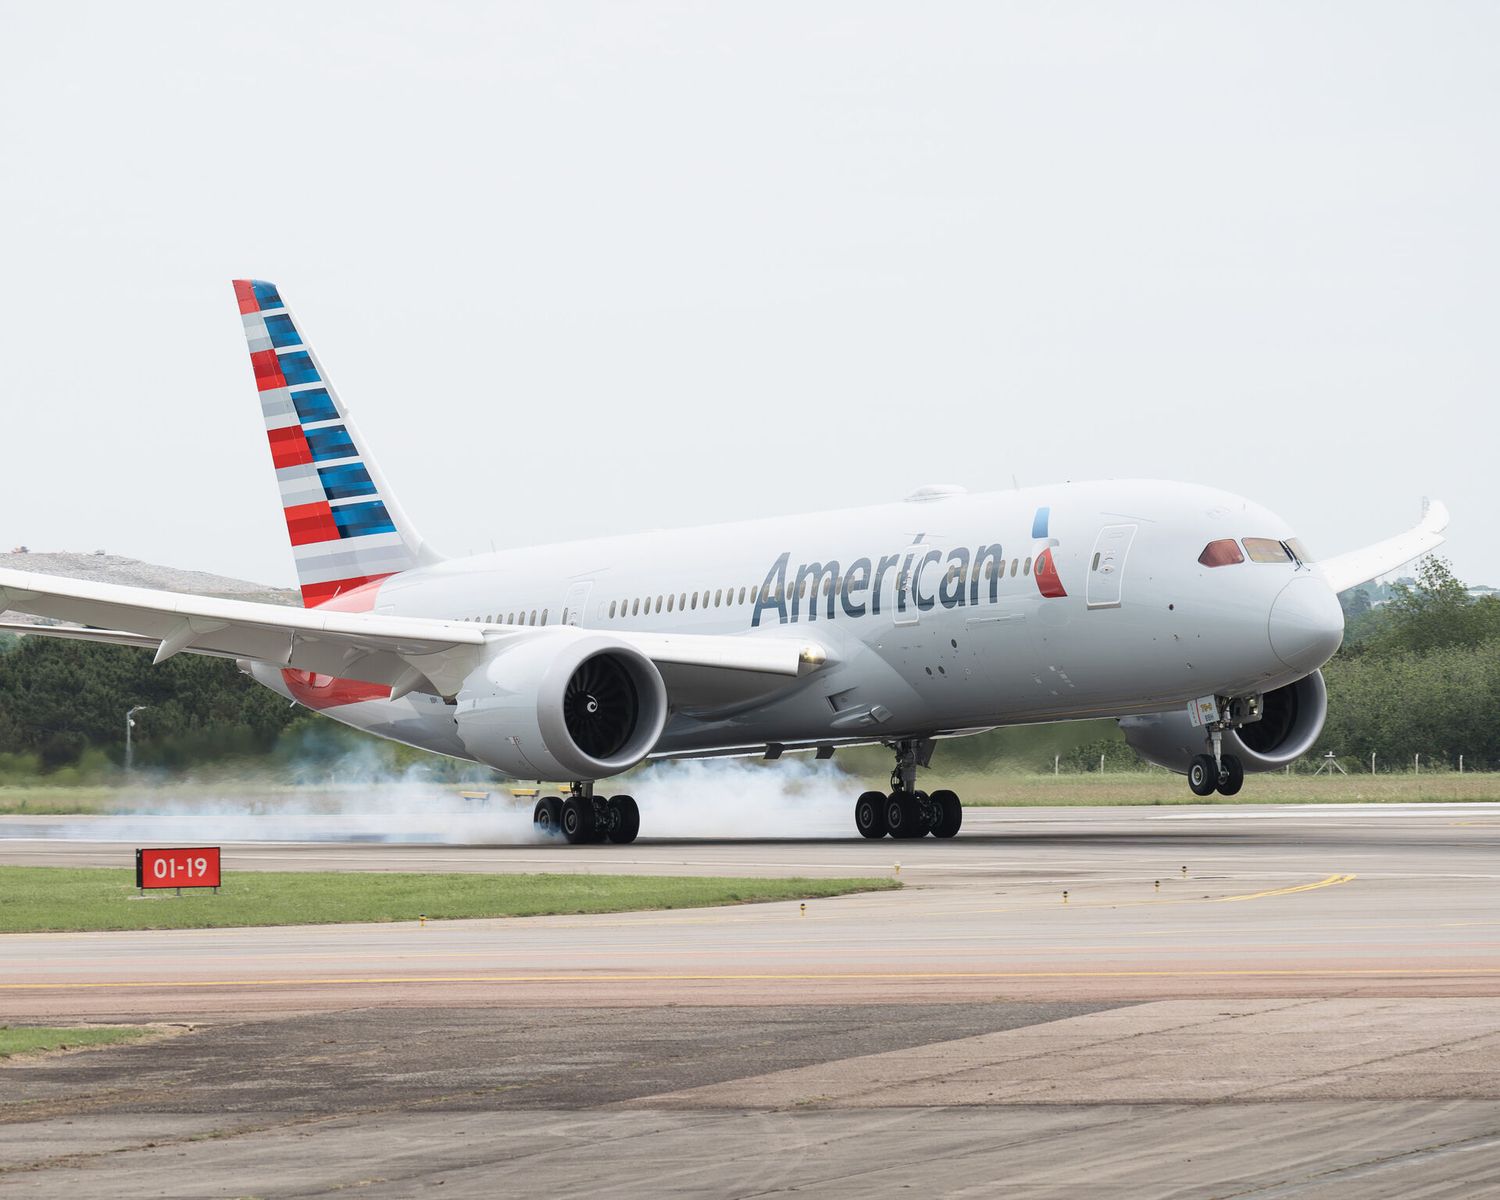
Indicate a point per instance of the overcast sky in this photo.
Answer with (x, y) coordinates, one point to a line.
(582, 269)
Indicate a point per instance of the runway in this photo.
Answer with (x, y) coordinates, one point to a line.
(1326, 976)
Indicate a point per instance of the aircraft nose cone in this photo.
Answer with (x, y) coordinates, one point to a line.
(1306, 624)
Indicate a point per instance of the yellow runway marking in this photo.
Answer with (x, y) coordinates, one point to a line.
(1331, 881)
(768, 977)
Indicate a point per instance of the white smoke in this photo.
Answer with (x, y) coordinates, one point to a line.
(359, 798)
(744, 798)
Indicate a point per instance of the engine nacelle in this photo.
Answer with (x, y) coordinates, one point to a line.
(562, 708)
(1291, 719)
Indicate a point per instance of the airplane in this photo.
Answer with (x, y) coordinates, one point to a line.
(1194, 617)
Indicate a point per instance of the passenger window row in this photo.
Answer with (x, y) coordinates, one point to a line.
(727, 597)
(511, 618)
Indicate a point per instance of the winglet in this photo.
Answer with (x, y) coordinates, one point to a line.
(1360, 566)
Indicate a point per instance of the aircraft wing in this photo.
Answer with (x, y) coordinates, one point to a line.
(1360, 566)
(403, 652)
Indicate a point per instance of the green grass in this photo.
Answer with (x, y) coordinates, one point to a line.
(1161, 787)
(29, 1040)
(45, 801)
(45, 899)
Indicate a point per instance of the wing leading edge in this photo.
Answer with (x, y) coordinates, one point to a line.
(1349, 570)
(404, 653)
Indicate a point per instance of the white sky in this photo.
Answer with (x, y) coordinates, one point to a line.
(582, 269)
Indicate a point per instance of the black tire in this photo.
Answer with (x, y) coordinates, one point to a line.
(627, 820)
(1234, 775)
(578, 819)
(547, 816)
(950, 813)
(903, 815)
(869, 815)
(1203, 775)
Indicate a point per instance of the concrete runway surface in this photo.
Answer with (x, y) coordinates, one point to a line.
(1311, 1008)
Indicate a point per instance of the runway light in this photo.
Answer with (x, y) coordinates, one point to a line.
(898, 868)
(1158, 885)
(1065, 897)
(1184, 870)
(804, 910)
(422, 920)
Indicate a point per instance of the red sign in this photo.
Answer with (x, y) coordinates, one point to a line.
(177, 868)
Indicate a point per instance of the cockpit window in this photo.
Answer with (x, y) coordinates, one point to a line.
(1267, 550)
(1296, 547)
(1221, 553)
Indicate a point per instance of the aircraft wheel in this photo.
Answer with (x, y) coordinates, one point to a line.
(1203, 775)
(869, 815)
(1234, 775)
(578, 819)
(903, 815)
(627, 820)
(950, 813)
(547, 816)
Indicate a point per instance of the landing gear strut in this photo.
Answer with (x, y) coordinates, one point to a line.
(1217, 771)
(585, 817)
(907, 812)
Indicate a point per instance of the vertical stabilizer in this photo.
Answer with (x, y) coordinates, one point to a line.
(346, 529)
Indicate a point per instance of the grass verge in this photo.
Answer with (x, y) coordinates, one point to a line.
(59, 899)
(998, 788)
(35, 1039)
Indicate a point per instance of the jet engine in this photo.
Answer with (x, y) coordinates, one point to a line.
(562, 707)
(1291, 719)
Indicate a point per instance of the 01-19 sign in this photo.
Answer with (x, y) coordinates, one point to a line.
(177, 868)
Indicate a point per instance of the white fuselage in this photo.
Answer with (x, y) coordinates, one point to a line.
(931, 611)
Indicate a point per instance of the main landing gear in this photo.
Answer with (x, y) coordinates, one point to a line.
(906, 812)
(585, 817)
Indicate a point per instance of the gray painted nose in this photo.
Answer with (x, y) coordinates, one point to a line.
(1306, 624)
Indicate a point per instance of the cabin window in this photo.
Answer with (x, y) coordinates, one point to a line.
(1015, 565)
(742, 595)
(1026, 566)
(611, 608)
(544, 616)
(753, 593)
(718, 596)
(695, 599)
(1223, 553)
(1267, 550)
(635, 607)
(671, 603)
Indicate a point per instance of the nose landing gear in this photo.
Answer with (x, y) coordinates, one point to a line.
(906, 812)
(1217, 771)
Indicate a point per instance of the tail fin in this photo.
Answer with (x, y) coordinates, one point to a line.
(346, 529)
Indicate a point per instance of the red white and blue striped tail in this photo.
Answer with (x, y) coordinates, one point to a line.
(347, 531)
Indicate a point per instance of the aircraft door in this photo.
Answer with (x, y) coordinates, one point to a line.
(916, 587)
(1107, 567)
(576, 602)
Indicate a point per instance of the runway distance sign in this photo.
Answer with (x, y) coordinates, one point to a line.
(177, 868)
